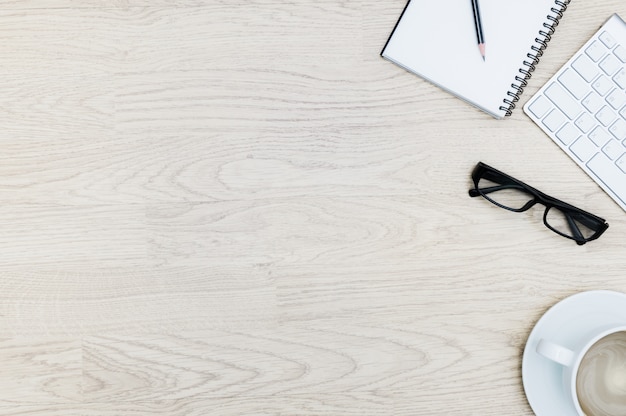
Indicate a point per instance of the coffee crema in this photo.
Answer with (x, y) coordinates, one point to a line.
(601, 378)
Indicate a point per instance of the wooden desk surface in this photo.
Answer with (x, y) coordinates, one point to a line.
(238, 208)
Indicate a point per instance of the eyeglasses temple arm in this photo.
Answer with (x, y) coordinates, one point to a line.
(578, 236)
(475, 192)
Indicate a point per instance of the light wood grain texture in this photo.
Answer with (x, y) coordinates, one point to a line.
(306, 405)
(216, 207)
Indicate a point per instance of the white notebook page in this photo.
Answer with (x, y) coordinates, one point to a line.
(436, 39)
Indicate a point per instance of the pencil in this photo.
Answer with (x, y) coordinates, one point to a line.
(479, 29)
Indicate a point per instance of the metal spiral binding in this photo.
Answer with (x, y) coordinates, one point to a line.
(541, 43)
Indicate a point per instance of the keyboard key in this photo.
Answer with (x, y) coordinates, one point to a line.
(613, 149)
(540, 106)
(620, 52)
(593, 102)
(596, 51)
(618, 129)
(585, 67)
(607, 40)
(616, 99)
(602, 85)
(623, 113)
(574, 83)
(599, 136)
(620, 78)
(568, 134)
(584, 149)
(554, 120)
(563, 100)
(585, 122)
(609, 174)
(606, 116)
(621, 163)
(610, 65)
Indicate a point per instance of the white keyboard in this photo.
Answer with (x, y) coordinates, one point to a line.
(583, 108)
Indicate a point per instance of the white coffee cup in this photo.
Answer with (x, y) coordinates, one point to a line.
(571, 357)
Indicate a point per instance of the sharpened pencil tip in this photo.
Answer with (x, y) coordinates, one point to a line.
(481, 48)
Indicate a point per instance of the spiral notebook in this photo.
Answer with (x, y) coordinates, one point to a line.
(436, 40)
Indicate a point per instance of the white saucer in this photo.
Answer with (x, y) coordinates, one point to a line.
(565, 323)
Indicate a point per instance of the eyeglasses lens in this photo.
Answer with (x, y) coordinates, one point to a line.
(570, 224)
(507, 195)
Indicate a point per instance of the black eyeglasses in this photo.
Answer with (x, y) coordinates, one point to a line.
(509, 193)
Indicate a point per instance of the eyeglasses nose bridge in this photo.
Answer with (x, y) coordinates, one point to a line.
(529, 204)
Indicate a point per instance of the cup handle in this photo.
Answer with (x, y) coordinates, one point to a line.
(555, 352)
